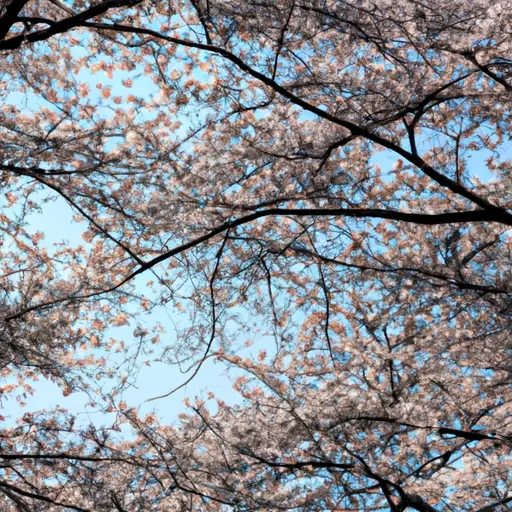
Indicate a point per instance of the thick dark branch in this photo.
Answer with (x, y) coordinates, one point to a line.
(487, 71)
(317, 464)
(30, 171)
(64, 25)
(470, 436)
(495, 505)
(40, 497)
(10, 16)
(415, 218)
(117, 503)
(418, 503)
(57, 456)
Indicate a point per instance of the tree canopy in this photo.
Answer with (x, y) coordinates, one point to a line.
(319, 195)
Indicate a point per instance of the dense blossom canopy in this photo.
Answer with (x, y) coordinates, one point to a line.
(318, 193)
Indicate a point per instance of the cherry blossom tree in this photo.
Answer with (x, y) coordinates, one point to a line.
(320, 191)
